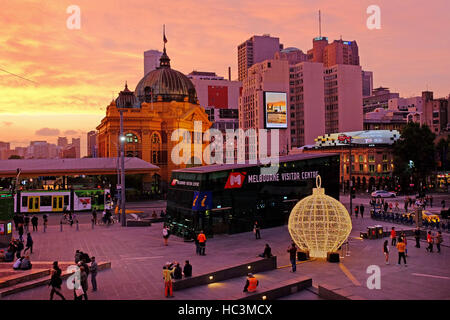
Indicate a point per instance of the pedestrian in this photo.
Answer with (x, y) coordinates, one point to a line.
(403, 237)
(293, 256)
(178, 273)
(34, 223)
(197, 244)
(202, 243)
(256, 230)
(361, 210)
(70, 218)
(45, 218)
(430, 242)
(19, 248)
(20, 230)
(443, 204)
(438, 240)
(417, 236)
(55, 281)
(431, 200)
(386, 206)
(356, 211)
(27, 222)
(167, 276)
(29, 244)
(386, 250)
(393, 237)
(16, 221)
(251, 283)
(187, 270)
(81, 291)
(94, 216)
(166, 235)
(93, 270)
(401, 252)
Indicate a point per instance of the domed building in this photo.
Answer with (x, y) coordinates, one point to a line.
(164, 100)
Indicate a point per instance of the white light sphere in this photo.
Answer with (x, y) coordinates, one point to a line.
(319, 223)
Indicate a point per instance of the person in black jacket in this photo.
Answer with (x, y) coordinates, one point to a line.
(34, 223)
(417, 236)
(55, 281)
(267, 252)
(29, 244)
(177, 275)
(187, 270)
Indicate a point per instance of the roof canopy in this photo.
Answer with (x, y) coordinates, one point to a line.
(71, 167)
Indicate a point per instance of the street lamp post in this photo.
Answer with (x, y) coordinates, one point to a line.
(350, 174)
(122, 170)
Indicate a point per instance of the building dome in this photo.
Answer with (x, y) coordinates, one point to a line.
(170, 84)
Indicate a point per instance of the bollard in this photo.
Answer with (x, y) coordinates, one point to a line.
(45, 227)
(61, 227)
(77, 225)
(92, 224)
(347, 254)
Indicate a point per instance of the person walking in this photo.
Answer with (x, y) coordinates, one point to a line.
(29, 244)
(251, 284)
(393, 237)
(430, 242)
(256, 230)
(27, 222)
(401, 252)
(361, 210)
(293, 256)
(386, 251)
(93, 270)
(55, 281)
(443, 204)
(20, 231)
(165, 233)
(197, 244)
(438, 240)
(94, 216)
(403, 238)
(202, 243)
(19, 248)
(34, 223)
(417, 236)
(167, 276)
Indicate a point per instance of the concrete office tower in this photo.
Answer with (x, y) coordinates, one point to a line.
(267, 76)
(343, 98)
(292, 55)
(254, 50)
(77, 145)
(306, 106)
(62, 142)
(436, 112)
(367, 83)
(337, 52)
(92, 144)
(151, 60)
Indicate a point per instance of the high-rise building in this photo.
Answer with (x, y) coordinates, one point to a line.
(436, 113)
(62, 142)
(38, 150)
(92, 144)
(306, 103)
(76, 143)
(4, 150)
(378, 99)
(254, 50)
(263, 103)
(292, 55)
(336, 52)
(151, 60)
(367, 83)
(343, 97)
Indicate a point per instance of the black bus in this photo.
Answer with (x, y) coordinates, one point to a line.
(229, 198)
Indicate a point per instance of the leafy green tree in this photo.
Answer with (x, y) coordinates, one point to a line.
(414, 154)
(443, 153)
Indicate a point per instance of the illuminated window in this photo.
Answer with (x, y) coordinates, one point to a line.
(371, 158)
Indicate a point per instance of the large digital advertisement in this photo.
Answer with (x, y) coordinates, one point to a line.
(275, 110)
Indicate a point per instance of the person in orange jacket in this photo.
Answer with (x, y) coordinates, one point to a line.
(251, 283)
(202, 242)
(401, 247)
(393, 237)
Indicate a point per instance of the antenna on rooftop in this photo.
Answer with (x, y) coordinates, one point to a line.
(320, 26)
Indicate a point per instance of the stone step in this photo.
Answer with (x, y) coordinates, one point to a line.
(43, 281)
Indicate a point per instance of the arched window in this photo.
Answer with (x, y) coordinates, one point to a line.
(155, 148)
(132, 145)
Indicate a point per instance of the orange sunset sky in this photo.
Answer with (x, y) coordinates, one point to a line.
(75, 72)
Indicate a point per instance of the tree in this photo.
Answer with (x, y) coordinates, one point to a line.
(15, 156)
(443, 152)
(414, 154)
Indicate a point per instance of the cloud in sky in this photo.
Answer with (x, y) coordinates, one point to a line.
(70, 132)
(7, 123)
(78, 71)
(47, 132)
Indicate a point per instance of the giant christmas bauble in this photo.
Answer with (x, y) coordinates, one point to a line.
(319, 223)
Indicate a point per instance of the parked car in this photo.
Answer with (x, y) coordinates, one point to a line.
(383, 194)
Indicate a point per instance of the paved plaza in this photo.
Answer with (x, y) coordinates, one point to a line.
(137, 255)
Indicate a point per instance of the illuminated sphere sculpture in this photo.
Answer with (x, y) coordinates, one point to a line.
(319, 223)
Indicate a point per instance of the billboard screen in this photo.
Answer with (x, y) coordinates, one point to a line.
(275, 110)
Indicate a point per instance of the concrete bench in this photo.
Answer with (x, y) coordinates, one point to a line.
(260, 265)
(285, 288)
(329, 292)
